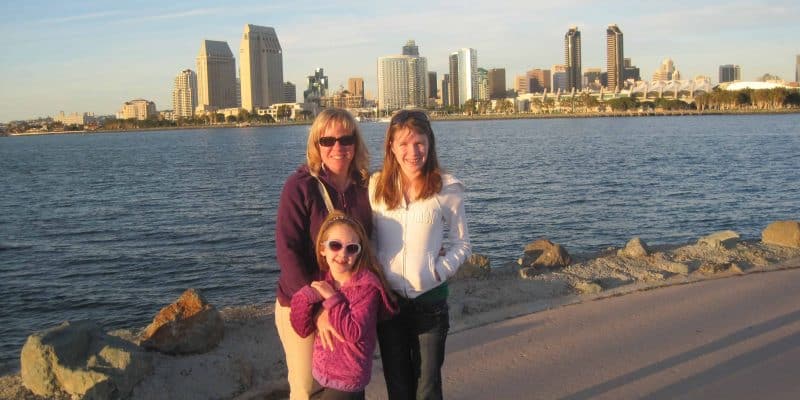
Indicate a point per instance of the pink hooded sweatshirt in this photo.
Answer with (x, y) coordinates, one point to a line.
(354, 312)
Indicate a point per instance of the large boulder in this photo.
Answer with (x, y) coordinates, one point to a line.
(635, 248)
(80, 359)
(477, 266)
(720, 240)
(188, 326)
(544, 254)
(782, 233)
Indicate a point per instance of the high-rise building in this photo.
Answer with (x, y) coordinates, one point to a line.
(411, 49)
(665, 71)
(453, 82)
(356, 86)
(572, 58)
(216, 75)
(402, 81)
(497, 83)
(797, 69)
(615, 60)
(465, 61)
(631, 71)
(289, 92)
(483, 84)
(445, 95)
(559, 78)
(317, 87)
(730, 73)
(539, 80)
(433, 86)
(261, 67)
(591, 78)
(140, 109)
(184, 94)
(522, 84)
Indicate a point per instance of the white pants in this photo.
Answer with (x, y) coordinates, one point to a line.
(298, 352)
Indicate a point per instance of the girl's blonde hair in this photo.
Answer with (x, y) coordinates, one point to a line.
(364, 259)
(328, 117)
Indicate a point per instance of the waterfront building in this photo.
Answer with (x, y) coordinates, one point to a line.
(402, 82)
(289, 92)
(261, 67)
(75, 118)
(140, 109)
(797, 69)
(483, 84)
(411, 49)
(184, 94)
(539, 80)
(631, 71)
(433, 86)
(216, 76)
(356, 86)
(453, 88)
(467, 75)
(316, 88)
(559, 81)
(730, 73)
(572, 58)
(592, 78)
(615, 60)
(522, 84)
(497, 83)
(445, 94)
(666, 71)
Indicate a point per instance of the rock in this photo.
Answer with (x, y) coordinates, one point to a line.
(476, 266)
(720, 240)
(190, 325)
(782, 233)
(709, 268)
(81, 360)
(635, 248)
(528, 272)
(584, 287)
(543, 253)
(509, 268)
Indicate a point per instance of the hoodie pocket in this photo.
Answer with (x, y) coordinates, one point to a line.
(432, 267)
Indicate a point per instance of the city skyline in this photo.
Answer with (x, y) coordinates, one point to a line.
(93, 56)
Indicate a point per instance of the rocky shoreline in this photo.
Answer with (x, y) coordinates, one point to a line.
(248, 361)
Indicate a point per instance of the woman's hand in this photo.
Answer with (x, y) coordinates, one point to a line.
(323, 288)
(326, 332)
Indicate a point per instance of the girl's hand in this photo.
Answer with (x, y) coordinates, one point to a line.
(323, 288)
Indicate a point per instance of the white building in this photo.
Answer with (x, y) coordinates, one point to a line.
(184, 94)
(75, 118)
(140, 109)
(261, 67)
(467, 74)
(402, 82)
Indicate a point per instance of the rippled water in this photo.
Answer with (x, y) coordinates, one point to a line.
(114, 226)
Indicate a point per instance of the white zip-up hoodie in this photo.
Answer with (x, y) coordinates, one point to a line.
(408, 239)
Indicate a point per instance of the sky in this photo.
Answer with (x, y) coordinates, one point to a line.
(92, 56)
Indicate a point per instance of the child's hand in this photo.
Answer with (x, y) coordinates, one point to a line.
(323, 288)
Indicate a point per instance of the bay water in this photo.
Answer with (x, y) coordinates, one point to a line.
(113, 226)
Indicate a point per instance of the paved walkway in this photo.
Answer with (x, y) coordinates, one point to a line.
(731, 338)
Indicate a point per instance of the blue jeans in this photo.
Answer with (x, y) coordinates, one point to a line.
(412, 350)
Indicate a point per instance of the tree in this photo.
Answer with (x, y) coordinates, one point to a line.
(469, 106)
(230, 119)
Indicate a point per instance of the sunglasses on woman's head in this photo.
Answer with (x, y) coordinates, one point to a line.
(336, 246)
(404, 115)
(329, 141)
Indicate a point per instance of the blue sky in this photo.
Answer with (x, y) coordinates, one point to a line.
(95, 55)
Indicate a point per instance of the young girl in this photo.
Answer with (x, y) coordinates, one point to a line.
(354, 293)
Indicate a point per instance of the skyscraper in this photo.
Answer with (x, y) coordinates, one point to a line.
(402, 81)
(216, 75)
(184, 94)
(497, 83)
(465, 82)
(539, 80)
(289, 92)
(615, 61)
(261, 67)
(572, 58)
(797, 69)
(445, 96)
(666, 71)
(317, 87)
(433, 85)
(452, 98)
(483, 84)
(559, 78)
(411, 49)
(730, 73)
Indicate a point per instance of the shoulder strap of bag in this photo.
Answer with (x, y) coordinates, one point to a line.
(325, 196)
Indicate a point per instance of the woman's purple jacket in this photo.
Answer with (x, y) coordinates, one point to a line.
(301, 211)
(354, 312)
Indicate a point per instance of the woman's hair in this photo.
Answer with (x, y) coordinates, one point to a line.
(364, 259)
(328, 117)
(387, 189)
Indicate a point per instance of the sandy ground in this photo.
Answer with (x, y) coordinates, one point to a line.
(249, 364)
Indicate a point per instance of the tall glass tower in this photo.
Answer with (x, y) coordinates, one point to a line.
(572, 58)
(615, 61)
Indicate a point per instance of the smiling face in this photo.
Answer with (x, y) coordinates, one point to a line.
(337, 158)
(340, 262)
(410, 149)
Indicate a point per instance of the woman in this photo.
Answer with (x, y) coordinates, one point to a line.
(334, 177)
(412, 203)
